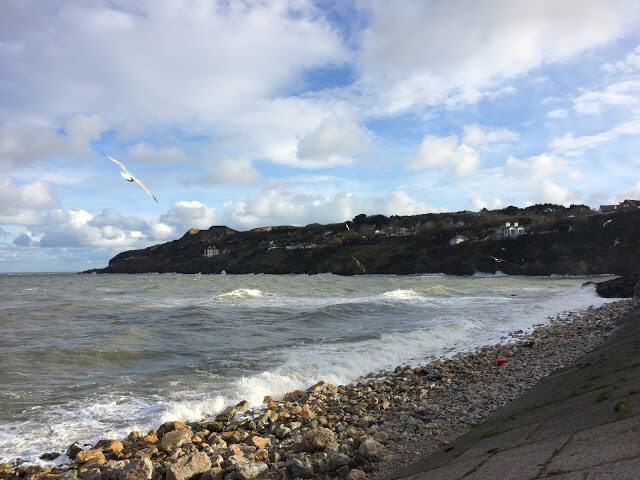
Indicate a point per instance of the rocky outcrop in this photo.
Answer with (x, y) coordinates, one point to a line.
(627, 286)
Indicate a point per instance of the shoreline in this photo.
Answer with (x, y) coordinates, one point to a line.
(370, 428)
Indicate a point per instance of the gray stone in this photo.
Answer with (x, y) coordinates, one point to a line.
(251, 471)
(73, 450)
(337, 460)
(299, 468)
(189, 466)
(356, 474)
(317, 439)
(141, 469)
(174, 439)
(371, 449)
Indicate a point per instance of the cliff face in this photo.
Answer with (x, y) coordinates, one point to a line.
(558, 244)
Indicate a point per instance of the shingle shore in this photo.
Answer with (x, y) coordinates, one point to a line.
(365, 429)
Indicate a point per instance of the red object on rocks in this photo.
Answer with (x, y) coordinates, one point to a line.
(501, 361)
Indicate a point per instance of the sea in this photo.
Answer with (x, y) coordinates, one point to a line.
(87, 357)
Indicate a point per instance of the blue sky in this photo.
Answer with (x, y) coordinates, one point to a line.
(255, 113)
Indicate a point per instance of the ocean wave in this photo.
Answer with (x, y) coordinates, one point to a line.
(243, 293)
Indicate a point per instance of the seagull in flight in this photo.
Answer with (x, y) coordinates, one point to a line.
(497, 259)
(126, 174)
(607, 222)
(347, 225)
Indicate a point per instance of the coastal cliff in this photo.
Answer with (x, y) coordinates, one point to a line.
(558, 240)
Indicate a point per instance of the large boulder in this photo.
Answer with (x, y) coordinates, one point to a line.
(371, 450)
(251, 471)
(189, 466)
(317, 439)
(141, 469)
(301, 468)
(87, 455)
(174, 439)
(621, 287)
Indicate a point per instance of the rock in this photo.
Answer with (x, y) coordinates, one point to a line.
(622, 287)
(110, 446)
(141, 469)
(301, 468)
(251, 471)
(336, 461)
(282, 431)
(174, 439)
(69, 475)
(87, 455)
(49, 456)
(189, 466)
(259, 442)
(135, 435)
(317, 439)
(371, 450)
(235, 436)
(356, 474)
(261, 455)
(213, 426)
(6, 468)
(73, 450)
(227, 415)
(215, 473)
(171, 427)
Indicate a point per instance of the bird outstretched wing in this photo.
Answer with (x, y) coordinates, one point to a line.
(124, 169)
(147, 189)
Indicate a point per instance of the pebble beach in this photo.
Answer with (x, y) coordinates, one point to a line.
(366, 429)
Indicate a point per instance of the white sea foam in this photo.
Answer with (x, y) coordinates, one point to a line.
(243, 293)
(401, 294)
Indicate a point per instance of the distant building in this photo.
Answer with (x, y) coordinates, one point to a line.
(211, 252)
(509, 231)
(457, 239)
(625, 205)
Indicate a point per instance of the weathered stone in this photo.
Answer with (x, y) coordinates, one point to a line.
(216, 441)
(356, 474)
(213, 426)
(110, 446)
(49, 456)
(73, 450)
(214, 473)
(261, 455)
(6, 468)
(299, 468)
(371, 449)
(171, 427)
(337, 460)
(174, 439)
(141, 469)
(282, 431)
(251, 471)
(235, 436)
(87, 455)
(317, 439)
(259, 442)
(189, 466)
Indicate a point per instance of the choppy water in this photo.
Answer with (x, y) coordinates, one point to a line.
(89, 357)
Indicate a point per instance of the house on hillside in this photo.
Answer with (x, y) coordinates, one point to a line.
(623, 206)
(509, 231)
(457, 239)
(211, 252)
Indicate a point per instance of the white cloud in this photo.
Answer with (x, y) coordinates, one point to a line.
(557, 113)
(476, 204)
(536, 167)
(23, 143)
(148, 153)
(625, 93)
(271, 207)
(417, 53)
(569, 144)
(333, 142)
(231, 171)
(184, 215)
(480, 136)
(630, 64)
(24, 204)
(445, 152)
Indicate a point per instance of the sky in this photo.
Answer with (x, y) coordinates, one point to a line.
(254, 113)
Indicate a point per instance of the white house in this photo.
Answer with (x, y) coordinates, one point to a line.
(211, 252)
(457, 239)
(509, 231)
